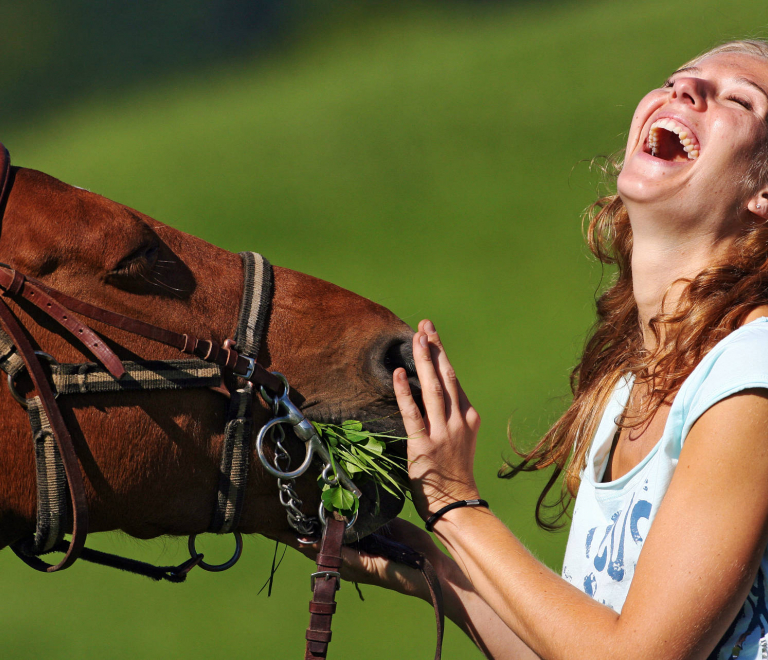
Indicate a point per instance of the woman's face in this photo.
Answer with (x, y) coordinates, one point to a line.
(691, 141)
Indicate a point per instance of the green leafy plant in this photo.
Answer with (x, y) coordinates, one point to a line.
(363, 456)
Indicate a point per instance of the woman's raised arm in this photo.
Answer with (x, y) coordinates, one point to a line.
(699, 560)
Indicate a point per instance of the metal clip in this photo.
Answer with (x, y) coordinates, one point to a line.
(306, 432)
(327, 575)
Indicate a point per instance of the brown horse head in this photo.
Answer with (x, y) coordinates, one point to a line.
(151, 460)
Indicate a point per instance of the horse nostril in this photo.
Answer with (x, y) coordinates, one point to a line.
(400, 354)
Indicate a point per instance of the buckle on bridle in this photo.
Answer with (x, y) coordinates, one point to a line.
(327, 575)
(251, 367)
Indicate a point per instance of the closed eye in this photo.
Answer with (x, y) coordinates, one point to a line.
(137, 265)
(145, 256)
(741, 101)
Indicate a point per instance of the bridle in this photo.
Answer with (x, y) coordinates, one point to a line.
(57, 465)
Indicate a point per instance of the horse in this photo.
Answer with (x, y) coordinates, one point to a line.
(150, 462)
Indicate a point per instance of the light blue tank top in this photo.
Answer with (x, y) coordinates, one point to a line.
(611, 520)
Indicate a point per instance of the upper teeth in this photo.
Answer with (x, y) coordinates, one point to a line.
(687, 139)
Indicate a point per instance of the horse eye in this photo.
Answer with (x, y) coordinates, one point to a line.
(138, 261)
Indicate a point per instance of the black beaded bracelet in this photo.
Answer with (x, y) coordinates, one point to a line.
(454, 505)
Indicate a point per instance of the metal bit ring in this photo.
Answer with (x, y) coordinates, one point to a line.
(322, 515)
(216, 568)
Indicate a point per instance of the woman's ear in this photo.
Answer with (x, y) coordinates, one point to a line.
(758, 203)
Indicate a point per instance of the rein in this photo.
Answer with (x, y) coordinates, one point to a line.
(57, 465)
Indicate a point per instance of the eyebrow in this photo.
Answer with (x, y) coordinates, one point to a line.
(750, 83)
(742, 80)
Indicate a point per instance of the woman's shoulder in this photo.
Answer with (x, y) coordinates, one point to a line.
(745, 350)
(738, 362)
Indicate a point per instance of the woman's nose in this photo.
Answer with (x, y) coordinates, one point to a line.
(690, 91)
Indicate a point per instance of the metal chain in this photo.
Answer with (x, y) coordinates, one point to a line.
(331, 474)
(303, 524)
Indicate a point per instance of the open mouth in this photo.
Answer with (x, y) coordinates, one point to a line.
(671, 141)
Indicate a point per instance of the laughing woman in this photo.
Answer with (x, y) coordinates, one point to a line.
(666, 441)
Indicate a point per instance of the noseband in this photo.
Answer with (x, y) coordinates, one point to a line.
(57, 465)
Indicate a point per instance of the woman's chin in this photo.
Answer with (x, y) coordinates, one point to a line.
(646, 180)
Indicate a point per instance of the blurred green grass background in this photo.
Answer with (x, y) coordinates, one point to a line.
(432, 158)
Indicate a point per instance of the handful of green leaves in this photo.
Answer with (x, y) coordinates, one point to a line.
(363, 455)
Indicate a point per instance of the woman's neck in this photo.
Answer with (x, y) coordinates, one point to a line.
(660, 259)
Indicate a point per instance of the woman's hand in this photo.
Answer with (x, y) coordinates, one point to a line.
(368, 569)
(441, 443)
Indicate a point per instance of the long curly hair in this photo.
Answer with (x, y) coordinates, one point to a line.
(712, 304)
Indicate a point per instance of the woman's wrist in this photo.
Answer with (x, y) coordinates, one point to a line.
(451, 522)
(433, 502)
(458, 504)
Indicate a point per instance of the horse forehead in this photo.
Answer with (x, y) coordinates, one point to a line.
(68, 217)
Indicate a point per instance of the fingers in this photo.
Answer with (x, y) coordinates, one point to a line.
(445, 371)
(432, 392)
(414, 422)
(440, 379)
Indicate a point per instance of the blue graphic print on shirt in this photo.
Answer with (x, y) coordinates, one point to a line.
(609, 524)
(752, 617)
(609, 553)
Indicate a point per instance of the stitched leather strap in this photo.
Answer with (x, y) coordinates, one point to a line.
(63, 441)
(381, 546)
(326, 583)
(15, 283)
(208, 350)
(5, 172)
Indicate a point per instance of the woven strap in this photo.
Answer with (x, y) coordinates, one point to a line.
(63, 441)
(325, 585)
(51, 482)
(10, 360)
(51, 478)
(236, 449)
(235, 459)
(254, 307)
(141, 375)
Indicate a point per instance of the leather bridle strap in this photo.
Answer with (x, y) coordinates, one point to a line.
(325, 583)
(5, 171)
(327, 580)
(16, 284)
(40, 295)
(381, 546)
(63, 442)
